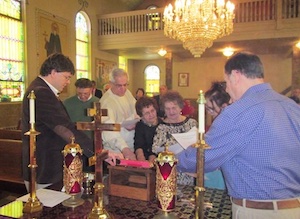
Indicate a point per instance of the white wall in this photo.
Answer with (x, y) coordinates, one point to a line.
(203, 71)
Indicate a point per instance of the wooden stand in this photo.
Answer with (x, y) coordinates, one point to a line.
(131, 182)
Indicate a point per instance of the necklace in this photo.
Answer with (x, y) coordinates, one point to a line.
(151, 124)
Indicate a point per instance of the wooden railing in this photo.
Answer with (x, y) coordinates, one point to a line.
(152, 20)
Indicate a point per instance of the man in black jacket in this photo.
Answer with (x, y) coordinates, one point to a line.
(52, 121)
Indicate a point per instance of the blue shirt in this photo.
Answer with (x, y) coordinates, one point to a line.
(256, 143)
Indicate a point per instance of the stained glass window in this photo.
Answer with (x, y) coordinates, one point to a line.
(82, 46)
(12, 68)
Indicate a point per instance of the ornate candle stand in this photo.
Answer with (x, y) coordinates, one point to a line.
(199, 188)
(33, 204)
(98, 211)
(166, 184)
(73, 174)
(201, 146)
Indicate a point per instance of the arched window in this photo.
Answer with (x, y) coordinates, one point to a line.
(12, 68)
(82, 45)
(152, 76)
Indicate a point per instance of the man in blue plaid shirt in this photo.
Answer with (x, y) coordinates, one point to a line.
(256, 143)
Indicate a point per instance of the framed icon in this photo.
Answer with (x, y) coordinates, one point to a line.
(183, 79)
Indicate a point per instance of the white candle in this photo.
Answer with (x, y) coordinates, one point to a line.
(31, 109)
(201, 113)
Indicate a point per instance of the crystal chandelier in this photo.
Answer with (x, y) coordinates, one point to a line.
(197, 23)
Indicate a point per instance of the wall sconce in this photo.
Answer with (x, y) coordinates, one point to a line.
(228, 51)
(298, 45)
(162, 52)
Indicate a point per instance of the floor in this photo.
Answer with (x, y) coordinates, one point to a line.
(10, 191)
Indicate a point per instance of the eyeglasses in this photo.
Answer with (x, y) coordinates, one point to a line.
(223, 85)
(210, 109)
(149, 113)
(67, 77)
(120, 85)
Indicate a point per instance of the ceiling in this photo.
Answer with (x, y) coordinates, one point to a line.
(282, 46)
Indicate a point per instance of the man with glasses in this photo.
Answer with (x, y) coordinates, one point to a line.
(120, 104)
(53, 123)
(77, 106)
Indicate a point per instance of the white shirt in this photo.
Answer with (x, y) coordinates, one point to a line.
(119, 109)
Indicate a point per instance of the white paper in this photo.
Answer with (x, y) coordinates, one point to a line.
(48, 197)
(175, 148)
(130, 123)
(186, 139)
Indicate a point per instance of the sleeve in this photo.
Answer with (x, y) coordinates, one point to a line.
(53, 115)
(113, 139)
(139, 137)
(187, 160)
(159, 139)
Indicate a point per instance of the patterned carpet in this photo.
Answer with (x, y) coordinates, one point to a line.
(124, 208)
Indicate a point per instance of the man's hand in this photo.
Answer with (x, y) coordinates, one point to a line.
(128, 154)
(112, 156)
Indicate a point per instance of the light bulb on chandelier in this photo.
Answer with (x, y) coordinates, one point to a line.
(197, 23)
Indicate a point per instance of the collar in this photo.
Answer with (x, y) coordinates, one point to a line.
(54, 90)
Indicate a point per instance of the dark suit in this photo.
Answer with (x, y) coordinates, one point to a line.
(98, 93)
(160, 113)
(56, 128)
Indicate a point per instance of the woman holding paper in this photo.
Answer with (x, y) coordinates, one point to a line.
(174, 122)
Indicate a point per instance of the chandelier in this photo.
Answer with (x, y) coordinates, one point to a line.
(197, 23)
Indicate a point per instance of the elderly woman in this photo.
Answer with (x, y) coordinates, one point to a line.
(146, 108)
(174, 122)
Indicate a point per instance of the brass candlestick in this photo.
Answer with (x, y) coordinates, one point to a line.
(33, 204)
(199, 188)
(98, 211)
(201, 146)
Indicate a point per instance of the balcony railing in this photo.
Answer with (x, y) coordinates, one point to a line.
(152, 20)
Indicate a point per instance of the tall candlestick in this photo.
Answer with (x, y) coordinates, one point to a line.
(31, 97)
(33, 204)
(201, 112)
